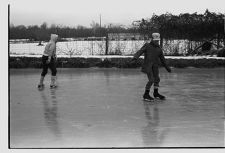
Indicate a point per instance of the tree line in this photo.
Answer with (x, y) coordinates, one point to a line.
(193, 27)
(42, 32)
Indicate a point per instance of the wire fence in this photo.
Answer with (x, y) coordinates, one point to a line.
(71, 48)
(96, 47)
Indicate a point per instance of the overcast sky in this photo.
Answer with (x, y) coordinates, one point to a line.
(83, 12)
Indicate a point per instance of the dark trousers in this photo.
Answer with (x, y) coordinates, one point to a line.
(153, 77)
(51, 66)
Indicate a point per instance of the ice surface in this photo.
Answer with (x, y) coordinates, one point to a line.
(103, 108)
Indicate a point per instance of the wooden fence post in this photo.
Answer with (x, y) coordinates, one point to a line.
(106, 44)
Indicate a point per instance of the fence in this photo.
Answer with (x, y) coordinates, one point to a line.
(98, 47)
(71, 48)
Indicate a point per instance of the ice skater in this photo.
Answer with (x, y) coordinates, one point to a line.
(49, 61)
(152, 53)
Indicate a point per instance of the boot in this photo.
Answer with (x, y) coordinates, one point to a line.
(41, 84)
(53, 82)
(157, 95)
(147, 97)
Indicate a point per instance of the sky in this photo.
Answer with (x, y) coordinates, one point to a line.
(83, 12)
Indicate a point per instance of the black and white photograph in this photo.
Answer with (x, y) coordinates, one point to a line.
(115, 74)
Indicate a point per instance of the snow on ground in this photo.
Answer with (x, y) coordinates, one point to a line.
(78, 47)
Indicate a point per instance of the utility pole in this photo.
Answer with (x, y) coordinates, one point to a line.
(224, 24)
(224, 45)
(100, 21)
(224, 32)
(100, 25)
(107, 41)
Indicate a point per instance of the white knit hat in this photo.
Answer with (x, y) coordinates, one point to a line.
(155, 36)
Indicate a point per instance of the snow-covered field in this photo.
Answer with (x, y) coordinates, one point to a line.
(77, 48)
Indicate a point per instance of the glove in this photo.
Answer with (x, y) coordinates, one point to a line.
(168, 69)
(48, 61)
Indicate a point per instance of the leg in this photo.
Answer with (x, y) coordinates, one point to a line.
(156, 83)
(146, 95)
(45, 66)
(52, 66)
(150, 81)
(156, 76)
(44, 71)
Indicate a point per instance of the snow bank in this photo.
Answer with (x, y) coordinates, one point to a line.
(118, 56)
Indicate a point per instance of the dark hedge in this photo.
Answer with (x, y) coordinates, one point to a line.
(33, 62)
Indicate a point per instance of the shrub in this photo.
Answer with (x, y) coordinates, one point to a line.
(31, 62)
(221, 53)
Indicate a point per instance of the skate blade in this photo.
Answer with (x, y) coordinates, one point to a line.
(157, 98)
(148, 100)
(40, 89)
(53, 87)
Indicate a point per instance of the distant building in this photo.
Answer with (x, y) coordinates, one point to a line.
(84, 39)
(68, 39)
(19, 40)
(125, 36)
(94, 38)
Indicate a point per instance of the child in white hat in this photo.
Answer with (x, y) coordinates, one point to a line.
(49, 61)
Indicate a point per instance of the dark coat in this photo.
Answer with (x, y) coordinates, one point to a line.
(152, 53)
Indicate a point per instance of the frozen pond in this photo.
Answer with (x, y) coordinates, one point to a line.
(103, 108)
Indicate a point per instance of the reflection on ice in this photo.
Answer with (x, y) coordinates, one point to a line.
(152, 135)
(51, 112)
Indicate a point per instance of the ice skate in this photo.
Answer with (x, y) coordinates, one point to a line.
(157, 95)
(53, 82)
(41, 85)
(147, 97)
(53, 86)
